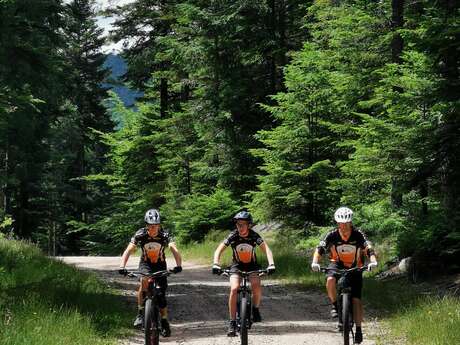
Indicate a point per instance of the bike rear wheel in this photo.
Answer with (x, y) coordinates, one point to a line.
(151, 323)
(244, 321)
(346, 318)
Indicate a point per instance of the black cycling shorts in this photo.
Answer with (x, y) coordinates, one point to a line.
(356, 279)
(244, 267)
(162, 281)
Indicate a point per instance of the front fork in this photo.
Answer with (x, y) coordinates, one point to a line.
(248, 296)
(152, 292)
(339, 307)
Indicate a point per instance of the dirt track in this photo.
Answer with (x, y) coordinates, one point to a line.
(198, 308)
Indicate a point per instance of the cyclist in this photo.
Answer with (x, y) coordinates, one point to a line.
(243, 241)
(153, 240)
(346, 246)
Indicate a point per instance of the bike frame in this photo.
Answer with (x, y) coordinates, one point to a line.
(151, 309)
(344, 300)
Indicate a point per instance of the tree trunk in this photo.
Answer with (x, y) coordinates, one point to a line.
(185, 89)
(450, 131)
(5, 187)
(272, 54)
(22, 226)
(424, 195)
(189, 176)
(397, 21)
(282, 34)
(163, 97)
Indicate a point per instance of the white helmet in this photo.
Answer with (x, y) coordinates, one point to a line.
(152, 216)
(343, 215)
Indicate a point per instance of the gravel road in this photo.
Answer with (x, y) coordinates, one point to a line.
(198, 308)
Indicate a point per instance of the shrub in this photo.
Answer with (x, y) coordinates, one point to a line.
(199, 214)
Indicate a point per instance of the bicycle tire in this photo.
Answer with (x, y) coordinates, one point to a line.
(346, 305)
(151, 323)
(244, 321)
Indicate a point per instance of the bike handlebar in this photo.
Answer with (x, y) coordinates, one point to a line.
(159, 274)
(227, 272)
(343, 270)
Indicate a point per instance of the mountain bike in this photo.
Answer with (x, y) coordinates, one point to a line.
(152, 325)
(344, 300)
(244, 302)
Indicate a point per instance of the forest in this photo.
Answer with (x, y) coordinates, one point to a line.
(287, 108)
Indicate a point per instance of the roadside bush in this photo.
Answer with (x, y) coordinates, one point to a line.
(198, 214)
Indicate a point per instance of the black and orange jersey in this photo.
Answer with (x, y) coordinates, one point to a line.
(244, 248)
(348, 252)
(153, 248)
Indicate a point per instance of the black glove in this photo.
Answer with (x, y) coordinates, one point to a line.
(271, 269)
(122, 271)
(177, 269)
(216, 269)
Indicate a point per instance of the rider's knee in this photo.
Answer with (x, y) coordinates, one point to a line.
(233, 290)
(256, 287)
(144, 285)
(356, 300)
(255, 282)
(331, 281)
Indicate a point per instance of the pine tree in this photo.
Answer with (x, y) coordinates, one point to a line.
(30, 83)
(74, 149)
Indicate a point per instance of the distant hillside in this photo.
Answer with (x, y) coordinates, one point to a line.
(118, 67)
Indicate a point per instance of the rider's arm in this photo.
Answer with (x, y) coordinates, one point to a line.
(373, 258)
(322, 248)
(266, 249)
(176, 254)
(316, 256)
(218, 252)
(366, 245)
(128, 251)
(368, 249)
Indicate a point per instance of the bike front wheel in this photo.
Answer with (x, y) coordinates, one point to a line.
(346, 318)
(244, 321)
(151, 323)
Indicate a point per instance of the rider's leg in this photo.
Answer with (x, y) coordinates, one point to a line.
(331, 286)
(356, 291)
(140, 294)
(357, 311)
(140, 303)
(256, 296)
(162, 304)
(143, 287)
(356, 288)
(232, 298)
(358, 318)
(256, 290)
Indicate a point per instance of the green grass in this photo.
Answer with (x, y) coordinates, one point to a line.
(413, 315)
(429, 321)
(203, 252)
(46, 302)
